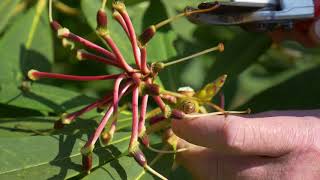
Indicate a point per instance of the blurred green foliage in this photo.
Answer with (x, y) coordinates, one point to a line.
(261, 77)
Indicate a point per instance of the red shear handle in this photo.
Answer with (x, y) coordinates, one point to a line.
(306, 32)
(317, 8)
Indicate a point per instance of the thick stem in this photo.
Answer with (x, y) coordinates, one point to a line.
(75, 38)
(93, 139)
(117, 16)
(135, 117)
(144, 67)
(115, 105)
(166, 110)
(71, 117)
(143, 112)
(133, 37)
(35, 75)
(116, 51)
(83, 54)
(159, 102)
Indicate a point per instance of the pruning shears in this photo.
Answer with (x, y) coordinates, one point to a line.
(260, 15)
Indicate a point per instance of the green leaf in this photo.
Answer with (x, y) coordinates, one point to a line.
(127, 168)
(52, 157)
(43, 98)
(238, 56)
(264, 88)
(31, 49)
(7, 8)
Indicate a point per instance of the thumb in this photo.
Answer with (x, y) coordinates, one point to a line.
(264, 136)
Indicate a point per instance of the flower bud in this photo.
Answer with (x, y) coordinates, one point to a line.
(139, 157)
(87, 163)
(102, 19)
(147, 34)
(55, 25)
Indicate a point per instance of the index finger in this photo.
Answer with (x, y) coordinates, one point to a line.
(265, 136)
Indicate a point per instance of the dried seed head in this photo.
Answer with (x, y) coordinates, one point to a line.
(102, 19)
(32, 75)
(147, 35)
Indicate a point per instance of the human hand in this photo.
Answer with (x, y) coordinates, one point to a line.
(273, 145)
(307, 33)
